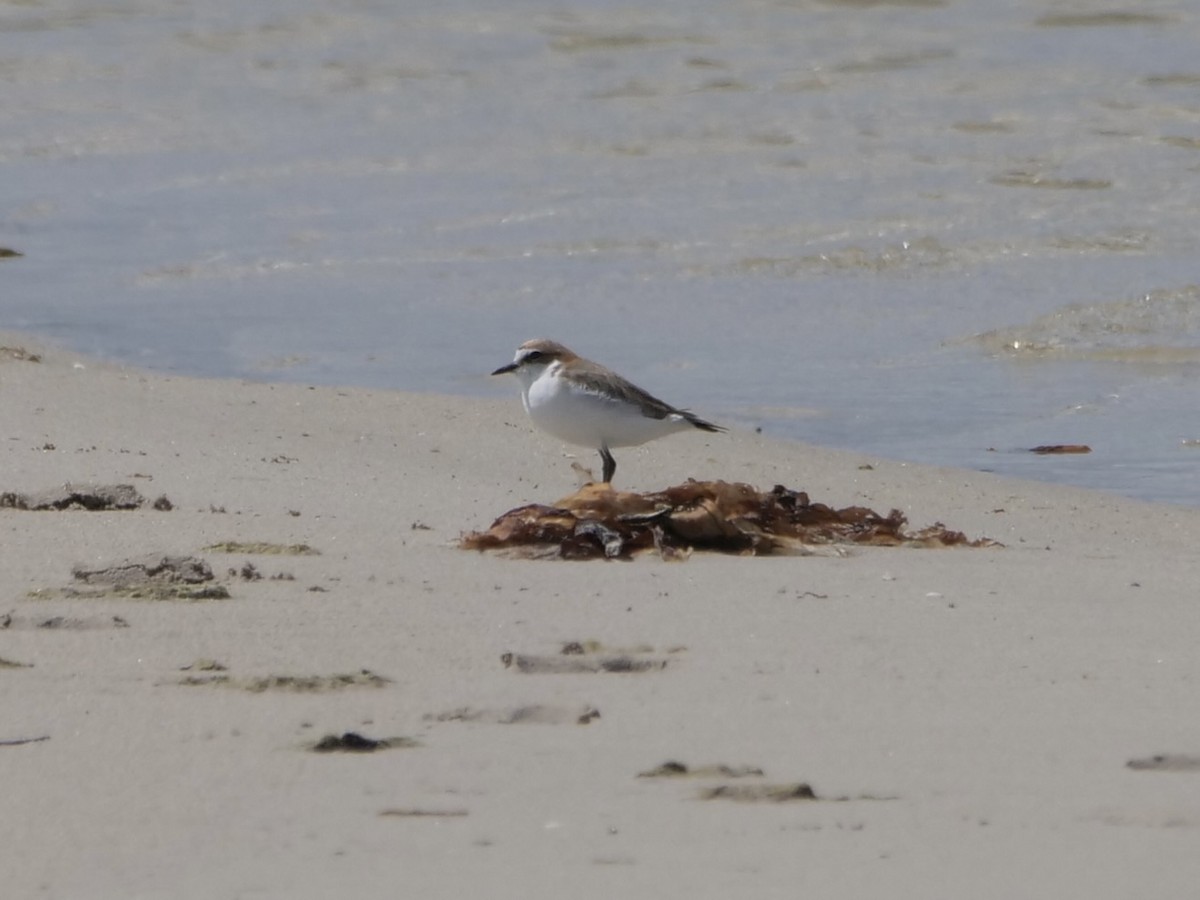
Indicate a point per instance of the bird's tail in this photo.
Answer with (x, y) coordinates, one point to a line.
(702, 424)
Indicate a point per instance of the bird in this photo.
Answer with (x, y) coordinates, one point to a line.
(583, 403)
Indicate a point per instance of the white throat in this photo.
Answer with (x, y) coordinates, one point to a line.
(527, 375)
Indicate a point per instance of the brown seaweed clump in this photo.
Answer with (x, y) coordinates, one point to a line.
(597, 522)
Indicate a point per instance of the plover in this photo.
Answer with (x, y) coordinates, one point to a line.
(583, 403)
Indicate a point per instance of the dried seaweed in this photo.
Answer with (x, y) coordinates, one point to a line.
(597, 522)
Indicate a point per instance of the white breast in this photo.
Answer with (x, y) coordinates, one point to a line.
(588, 418)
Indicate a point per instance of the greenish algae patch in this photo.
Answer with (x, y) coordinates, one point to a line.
(263, 548)
(297, 684)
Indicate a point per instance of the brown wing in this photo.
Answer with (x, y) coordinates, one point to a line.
(600, 380)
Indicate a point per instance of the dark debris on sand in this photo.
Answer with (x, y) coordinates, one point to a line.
(90, 497)
(153, 576)
(353, 742)
(597, 522)
(161, 567)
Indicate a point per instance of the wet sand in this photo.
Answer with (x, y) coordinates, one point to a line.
(882, 722)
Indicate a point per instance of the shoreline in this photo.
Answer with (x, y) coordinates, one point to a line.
(964, 717)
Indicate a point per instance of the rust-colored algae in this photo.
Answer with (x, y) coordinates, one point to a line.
(597, 522)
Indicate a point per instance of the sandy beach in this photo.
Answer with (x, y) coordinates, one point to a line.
(964, 718)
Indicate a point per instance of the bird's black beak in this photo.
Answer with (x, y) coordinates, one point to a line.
(504, 370)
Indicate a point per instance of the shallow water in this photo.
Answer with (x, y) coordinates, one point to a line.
(938, 231)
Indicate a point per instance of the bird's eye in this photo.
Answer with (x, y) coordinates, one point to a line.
(533, 355)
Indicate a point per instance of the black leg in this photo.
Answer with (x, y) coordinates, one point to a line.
(610, 465)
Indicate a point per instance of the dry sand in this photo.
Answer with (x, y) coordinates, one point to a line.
(964, 716)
